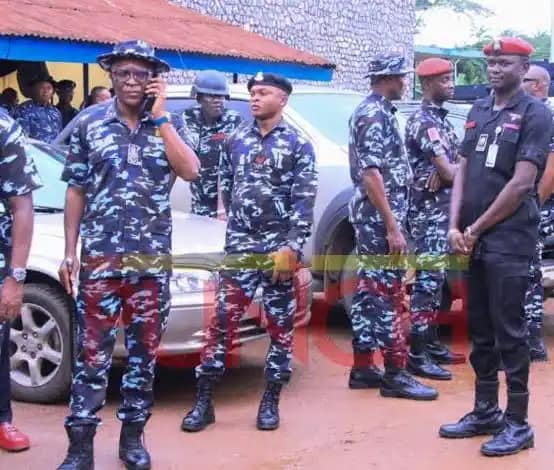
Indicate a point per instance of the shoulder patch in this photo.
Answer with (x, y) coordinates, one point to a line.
(433, 134)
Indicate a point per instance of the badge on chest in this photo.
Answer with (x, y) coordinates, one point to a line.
(133, 155)
(482, 143)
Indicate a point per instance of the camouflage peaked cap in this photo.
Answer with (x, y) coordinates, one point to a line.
(135, 49)
(387, 64)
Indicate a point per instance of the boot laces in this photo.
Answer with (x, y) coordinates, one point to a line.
(270, 400)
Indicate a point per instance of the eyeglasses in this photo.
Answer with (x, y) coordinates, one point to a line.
(124, 75)
(213, 97)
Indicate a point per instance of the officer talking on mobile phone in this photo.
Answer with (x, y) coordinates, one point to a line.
(123, 156)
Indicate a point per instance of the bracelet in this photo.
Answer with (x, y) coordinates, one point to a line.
(158, 122)
(469, 231)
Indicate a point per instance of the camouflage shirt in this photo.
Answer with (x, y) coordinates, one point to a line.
(268, 186)
(429, 134)
(547, 208)
(125, 175)
(208, 144)
(18, 176)
(375, 142)
(39, 122)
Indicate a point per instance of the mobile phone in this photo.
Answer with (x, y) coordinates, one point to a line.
(149, 100)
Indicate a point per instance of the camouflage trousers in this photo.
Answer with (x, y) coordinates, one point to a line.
(205, 207)
(534, 298)
(204, 194)
(429, 232)
(378, 302)
(236, 290)
(141, 306)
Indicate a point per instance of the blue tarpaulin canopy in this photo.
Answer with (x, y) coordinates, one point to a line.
(79, 30)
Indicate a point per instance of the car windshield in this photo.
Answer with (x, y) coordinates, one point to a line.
(49, 162)
(327, 112)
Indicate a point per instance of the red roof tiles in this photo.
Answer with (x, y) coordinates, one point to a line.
(164, 25)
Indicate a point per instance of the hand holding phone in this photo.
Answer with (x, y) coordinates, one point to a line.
(149, 98)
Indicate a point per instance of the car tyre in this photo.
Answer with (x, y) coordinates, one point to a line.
(42, 346)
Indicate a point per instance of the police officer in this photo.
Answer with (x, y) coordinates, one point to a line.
(209, 123)
(537, 82)
(18, 178)
(268, 186)
(506, 143)
(38, 117)
(65, 90)
(381, 174)
(431, 143)
(9, 100)
(118, 171)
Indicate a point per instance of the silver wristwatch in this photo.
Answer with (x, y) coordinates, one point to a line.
(19, 274)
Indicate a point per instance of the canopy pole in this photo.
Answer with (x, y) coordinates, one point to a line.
(85, 82)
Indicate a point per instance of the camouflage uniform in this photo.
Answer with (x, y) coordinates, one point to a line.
(534, 299)
(208, 140)
(375, 142)
(39, 122)
(18, 176)
(268, 187)
(428, 134)
(125, 257)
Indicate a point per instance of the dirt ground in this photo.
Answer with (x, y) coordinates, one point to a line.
(324, 425)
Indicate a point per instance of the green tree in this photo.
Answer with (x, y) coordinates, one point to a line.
(459, 6)
(473, 71)
(469, 8)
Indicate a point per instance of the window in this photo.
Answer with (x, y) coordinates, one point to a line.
(327, 112)
(178, 105)
(50, 166)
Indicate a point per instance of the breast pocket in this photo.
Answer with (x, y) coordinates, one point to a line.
(280, 166)
(155, 166)
(507, 148)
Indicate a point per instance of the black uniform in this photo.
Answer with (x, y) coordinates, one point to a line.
(499, 265)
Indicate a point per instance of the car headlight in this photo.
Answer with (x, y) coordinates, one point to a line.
(190, 281)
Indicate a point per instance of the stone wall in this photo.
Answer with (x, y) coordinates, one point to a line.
(345, 32)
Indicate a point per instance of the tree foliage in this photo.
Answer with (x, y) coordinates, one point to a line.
(459, 6)
(473, 71)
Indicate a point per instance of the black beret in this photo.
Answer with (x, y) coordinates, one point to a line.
(270, 79)
(66, 84)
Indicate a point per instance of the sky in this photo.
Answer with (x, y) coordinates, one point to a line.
(447, 29)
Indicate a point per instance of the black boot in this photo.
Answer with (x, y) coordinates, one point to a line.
(268, 413)
(421, 364)
(537, 349)
(517, 435)
(131, 449)
(364, 374)
(202, 414)
(438, 351)
(80, 454)
(397, 383)
(486, 417)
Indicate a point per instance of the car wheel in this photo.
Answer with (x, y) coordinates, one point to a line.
(41, 348)
(348, 282)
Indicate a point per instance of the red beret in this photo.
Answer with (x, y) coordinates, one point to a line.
(508, 46)
(434, 66)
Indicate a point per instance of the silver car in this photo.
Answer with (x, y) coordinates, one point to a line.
(42, 339)
(322, 114)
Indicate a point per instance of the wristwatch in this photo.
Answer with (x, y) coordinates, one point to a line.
(158, 122)
(19, 274)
